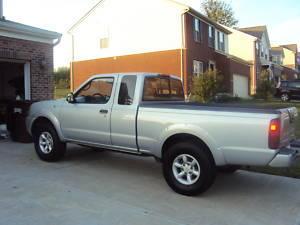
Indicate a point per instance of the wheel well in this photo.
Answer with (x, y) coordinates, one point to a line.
(39, 121)
(185, 138)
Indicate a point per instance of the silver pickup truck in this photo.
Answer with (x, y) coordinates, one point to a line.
(146, 114)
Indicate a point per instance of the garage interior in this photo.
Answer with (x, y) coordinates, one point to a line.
(12, 87)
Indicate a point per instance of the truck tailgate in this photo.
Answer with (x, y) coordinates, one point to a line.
(288, 123)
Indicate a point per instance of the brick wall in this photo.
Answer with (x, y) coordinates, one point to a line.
(42, 85)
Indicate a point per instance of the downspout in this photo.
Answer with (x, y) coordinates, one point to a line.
(183, 47)
(72, 64)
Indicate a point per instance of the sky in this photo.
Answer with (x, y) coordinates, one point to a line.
(282, 18)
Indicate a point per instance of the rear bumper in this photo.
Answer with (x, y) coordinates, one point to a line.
(287, 156)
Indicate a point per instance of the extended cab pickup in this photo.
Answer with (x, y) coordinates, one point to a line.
(146, 114)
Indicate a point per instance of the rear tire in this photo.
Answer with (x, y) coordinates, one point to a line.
(188, 168)
(47, 144)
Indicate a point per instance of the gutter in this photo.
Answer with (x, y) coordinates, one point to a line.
(57, 41)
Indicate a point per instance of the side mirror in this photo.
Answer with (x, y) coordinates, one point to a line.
(70, 98)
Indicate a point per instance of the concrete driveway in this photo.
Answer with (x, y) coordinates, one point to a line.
(92, 188)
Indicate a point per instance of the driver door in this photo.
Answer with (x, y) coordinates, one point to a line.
(87, 120)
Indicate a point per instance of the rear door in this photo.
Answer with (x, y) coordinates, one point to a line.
(294, 88)
(124, 113)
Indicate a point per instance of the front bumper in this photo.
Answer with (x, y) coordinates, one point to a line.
(288, 156)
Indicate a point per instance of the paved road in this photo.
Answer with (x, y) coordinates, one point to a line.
(93, 188)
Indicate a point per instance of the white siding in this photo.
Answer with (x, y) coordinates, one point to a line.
(241, 45)
(132, 26)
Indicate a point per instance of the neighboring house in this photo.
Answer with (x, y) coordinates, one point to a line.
(252, 44)
(153, 36)
(26, 61)
(243, 45)
(285, 57)
(290, 59)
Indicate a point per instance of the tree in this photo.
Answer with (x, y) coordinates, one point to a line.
(62, 77)
(219, 11)
(206, 86)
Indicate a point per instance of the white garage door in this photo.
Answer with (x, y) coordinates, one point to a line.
(240, 86)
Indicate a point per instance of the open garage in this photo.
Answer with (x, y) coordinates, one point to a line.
(26, 64)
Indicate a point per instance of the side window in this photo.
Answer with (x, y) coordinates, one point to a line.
(162, 89)
(98, 91)
(127, 89)
(294, 84)
(284, 84)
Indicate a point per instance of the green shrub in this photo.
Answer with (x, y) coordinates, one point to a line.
(265, 86)
(206, 86)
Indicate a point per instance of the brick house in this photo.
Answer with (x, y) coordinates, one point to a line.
(26, 61)
(153, 36)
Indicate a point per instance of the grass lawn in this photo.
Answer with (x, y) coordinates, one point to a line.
(61, 93)
(290, 172)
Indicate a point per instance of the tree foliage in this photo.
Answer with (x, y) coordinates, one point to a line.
(219, 11)
(206, 86)
(62, 77)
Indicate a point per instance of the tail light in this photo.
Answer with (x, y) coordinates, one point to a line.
(274, 134)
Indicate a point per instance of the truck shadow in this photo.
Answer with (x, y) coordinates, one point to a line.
(242, 183)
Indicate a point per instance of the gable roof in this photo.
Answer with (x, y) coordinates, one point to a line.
(17, 30)
(292, 47)
(256, 31)
(183, 6)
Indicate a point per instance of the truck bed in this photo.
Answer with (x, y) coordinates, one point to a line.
(224, 107)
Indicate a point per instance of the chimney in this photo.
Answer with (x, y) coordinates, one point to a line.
(1, 10)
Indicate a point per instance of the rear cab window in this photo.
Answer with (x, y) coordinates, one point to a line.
(162, 88)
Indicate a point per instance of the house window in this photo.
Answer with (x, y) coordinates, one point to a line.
(197, 68)
(197, 30)
(212, 65)
(262, 51)
(221, 41)
(211, 36)
(104, 43)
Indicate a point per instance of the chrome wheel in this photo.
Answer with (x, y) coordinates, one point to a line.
(284, 97)
(46, 142)
(186, 169)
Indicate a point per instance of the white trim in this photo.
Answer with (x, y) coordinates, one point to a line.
(27, 81)
(24, 37)
(21, 31)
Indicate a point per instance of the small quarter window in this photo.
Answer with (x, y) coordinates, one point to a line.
(127, 89)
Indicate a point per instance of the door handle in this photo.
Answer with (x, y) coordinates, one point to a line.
(103, 111)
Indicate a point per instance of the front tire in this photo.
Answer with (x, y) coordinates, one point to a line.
(188, 168)
(47, 144)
